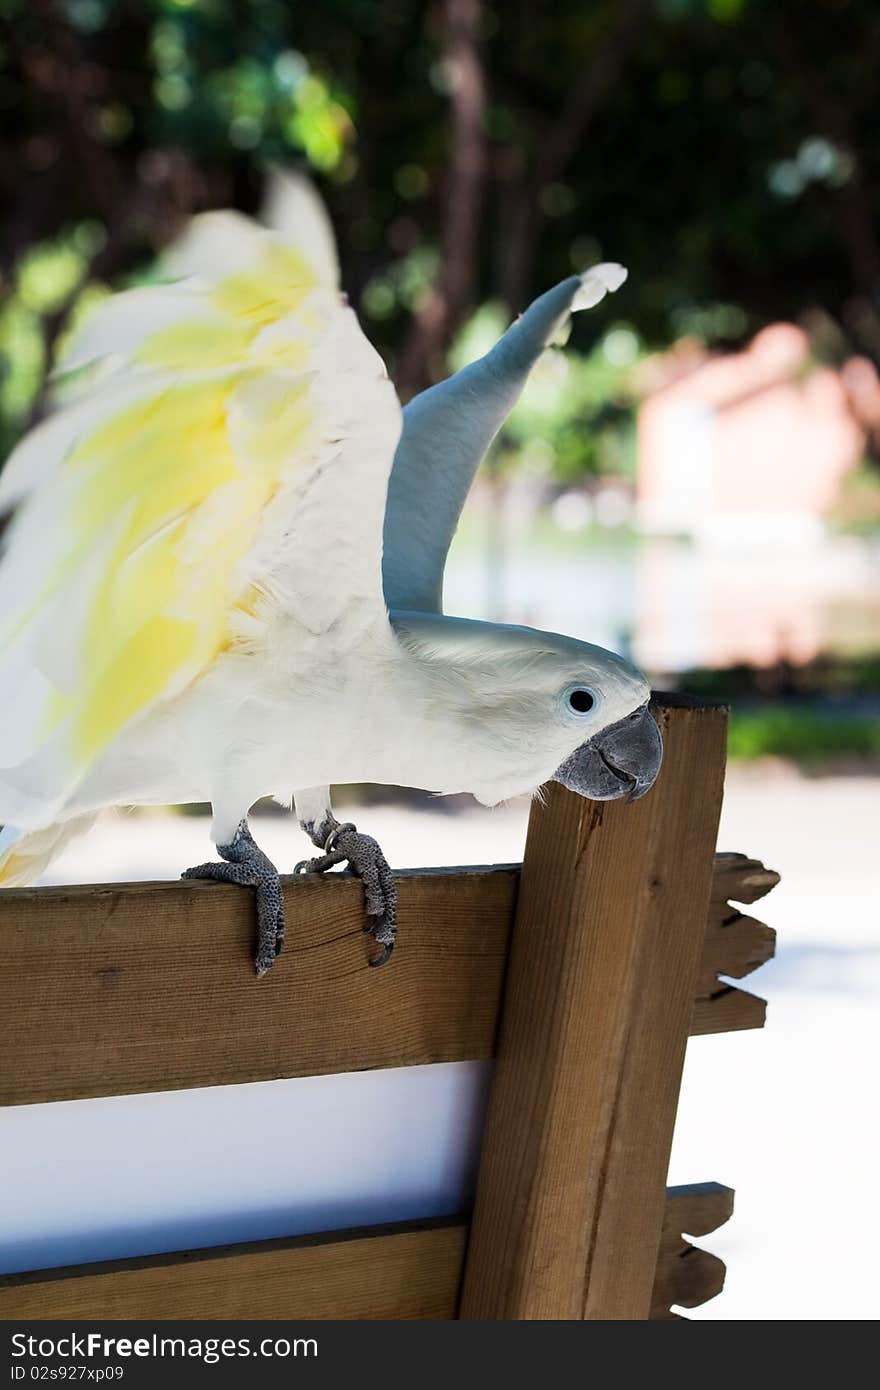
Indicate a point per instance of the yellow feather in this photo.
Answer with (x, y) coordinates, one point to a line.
(196, 346)
(12, 865)
(136, 676)
(275, 286)
(273, 422)
(172, 488)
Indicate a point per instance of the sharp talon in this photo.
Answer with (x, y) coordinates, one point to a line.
(385, 956)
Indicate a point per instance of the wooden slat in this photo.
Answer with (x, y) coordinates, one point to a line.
(728, 1010)
(411, 1270)
(739, 879)
(687, 1275)
(604, 960)
(408, 1271)
(735, 945)
(151, 987)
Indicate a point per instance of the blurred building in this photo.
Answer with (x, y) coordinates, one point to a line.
(741, 458)
(743, 444)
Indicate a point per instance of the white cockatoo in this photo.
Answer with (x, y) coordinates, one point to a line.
(223, 572)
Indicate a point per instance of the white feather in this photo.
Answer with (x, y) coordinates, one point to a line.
(120, 324)
(293, 209)
(596, 282)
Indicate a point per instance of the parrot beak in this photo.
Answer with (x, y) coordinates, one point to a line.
(623, 760)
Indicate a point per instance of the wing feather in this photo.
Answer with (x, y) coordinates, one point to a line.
(190, 496)
(429, 486)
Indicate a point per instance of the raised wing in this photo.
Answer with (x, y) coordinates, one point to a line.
(446, 432)
(229, 466)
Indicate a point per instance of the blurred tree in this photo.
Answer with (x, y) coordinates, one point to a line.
(471, 151)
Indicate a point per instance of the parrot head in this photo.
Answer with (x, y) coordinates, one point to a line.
(622, 760)
(532, 707)
(602, 712)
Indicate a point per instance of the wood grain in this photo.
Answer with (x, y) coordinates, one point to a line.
(411, 1270)
(728, 1010)
(149, 986)
(604, 959)
(408, 1271)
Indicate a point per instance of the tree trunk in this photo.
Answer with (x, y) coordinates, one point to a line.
(452, 294)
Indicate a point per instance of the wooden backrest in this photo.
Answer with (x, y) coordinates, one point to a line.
(582, 973)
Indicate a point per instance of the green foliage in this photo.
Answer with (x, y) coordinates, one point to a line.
(726, 151)
(47, 278)
(830, 678)
(576, 414)
(805, 735)
(23, 364)
(857, 508)
(255, 95)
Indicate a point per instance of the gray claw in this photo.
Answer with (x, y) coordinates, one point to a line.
(248, 866)
(387, 950)
(345, 843)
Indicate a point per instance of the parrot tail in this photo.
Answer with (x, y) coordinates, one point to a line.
(25, 854)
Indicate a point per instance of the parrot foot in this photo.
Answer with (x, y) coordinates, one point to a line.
(345, 843)
(247, 865)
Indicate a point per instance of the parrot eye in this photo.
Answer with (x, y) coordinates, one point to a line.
(581, 701)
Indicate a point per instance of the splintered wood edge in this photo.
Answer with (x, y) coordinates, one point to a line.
(736, 944)
(402, 1271)
(688, 1276)
(740, 878)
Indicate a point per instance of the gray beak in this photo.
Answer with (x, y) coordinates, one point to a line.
(623, 760)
